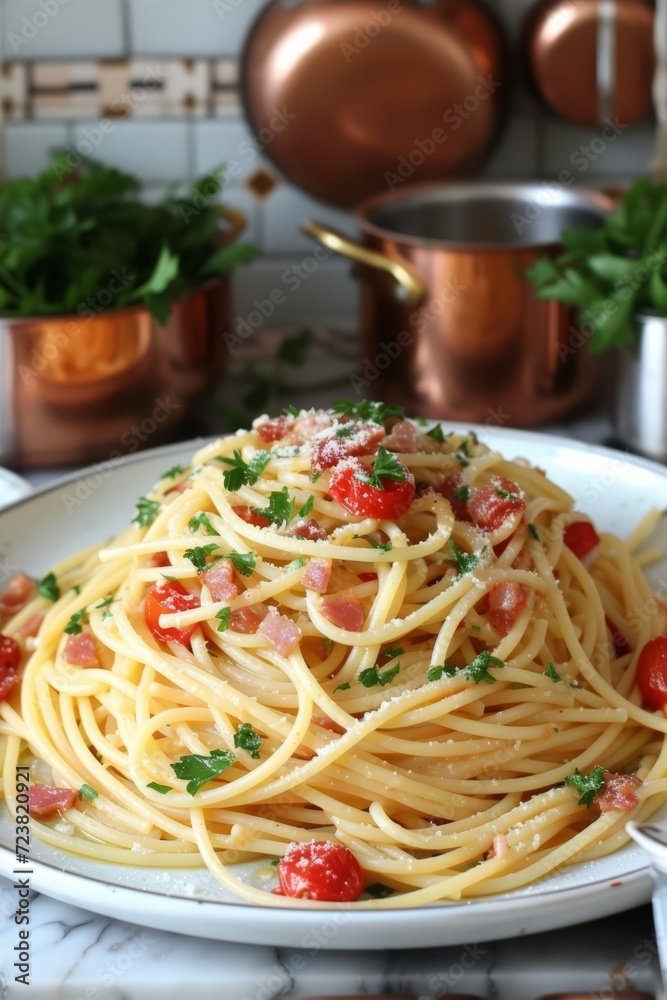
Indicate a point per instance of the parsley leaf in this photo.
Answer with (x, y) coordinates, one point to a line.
(346, 430)
(197, 769)
(588, 785)
(506, 494)
(297, 563)
(176, 470)
(392, 652)
(105, 603)
(342, 687)
(552, 674)
(435, 672)
(197, 556)
(307, 507)
(534, 532)
(291, 410)
(77, 589)
(280, 509)
(202, 520)
(48, 587)
(436, 433)
(162, 789)
(466, 561)
(371, 676)
(223, 615)
(478, 670)
(89, 792)
(78, 619)
(245, 738)
(381, 546)
(245, 562)
(386, 466)
(243, 473)
(377, 413)
(315, 476)
(463, 454)
(146, 512)
(462, 492)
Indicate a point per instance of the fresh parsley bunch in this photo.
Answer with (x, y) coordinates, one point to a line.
(614, 273)
(87, 243)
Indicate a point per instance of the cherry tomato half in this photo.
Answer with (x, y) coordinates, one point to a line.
(580, 537)
(364, 500)
(321, 870)
(248, 515)
(164, 598)
(652, 672)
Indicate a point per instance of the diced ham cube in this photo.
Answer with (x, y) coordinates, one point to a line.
(273, 429)
(307, 426)
(220, 578)
(158, 560)
(45, 800)
(310, 530)
(490, 506)
(19, 591)
(404, 437)
(317, 575)
(246, 620)
(280, 632)
(30, 628)
(506, 602)
(329, 448)
(344, 614)
(80, 650)
(618, 792)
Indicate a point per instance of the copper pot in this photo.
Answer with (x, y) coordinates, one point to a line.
(82, 388)
(450, 325)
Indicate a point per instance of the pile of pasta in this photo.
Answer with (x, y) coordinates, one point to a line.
(444, 729)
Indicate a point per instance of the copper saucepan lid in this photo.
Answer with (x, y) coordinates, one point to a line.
(354, 97)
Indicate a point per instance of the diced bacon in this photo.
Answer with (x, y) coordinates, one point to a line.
(330, 448)
(618, 792)
(310, 530)
(367, 577)
(45, 800)
(447, 489)
(306, 427)
(246, 620)
(273, 429)
(220, 578)
(490, 506)
(620, 643)
(80, 650)
(344, 614)
(19, 591)
(280, 632)
(187, 484)
(506, 602)
(324, 722)
(499, 847)
(158, 560)
(403, 438)
(317, 575)
(30, 628)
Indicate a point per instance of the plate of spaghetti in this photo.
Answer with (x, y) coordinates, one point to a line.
(341, 665)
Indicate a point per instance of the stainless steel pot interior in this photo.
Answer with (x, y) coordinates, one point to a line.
(486, 216)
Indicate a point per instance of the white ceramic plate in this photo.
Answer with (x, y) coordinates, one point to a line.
(12, 487)
(36, 532)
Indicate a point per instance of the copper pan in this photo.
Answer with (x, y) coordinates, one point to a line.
(450, 325)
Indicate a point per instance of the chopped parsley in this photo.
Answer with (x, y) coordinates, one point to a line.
(466, 561)
(552, 674)
(197, 769)
(588, 785)
(75, 623)
(243, 473)
(48, 587)
(377, 413)
(476, 628)
(506, 494)
(534, 532)
(176, 470)
(436, 433)
(245, 738)
(307, 507)
(464, 454)
(297, 563)
(342, 687)
(292, 411)
(107, 614)
(162, 789)
(478, 670)
(89, 792)
(76, 589)
(105, 603)
(386, 466)
(315, 476)
(462, 493)
(146, 512)
(275, 862)
(379, 891)
(199, 554)
(245, 562)
(380, 546)
(391, 652)
(202, 520)
(372, 676)
(280, 509)
(223, 616)
(346, 430)
(435, 672)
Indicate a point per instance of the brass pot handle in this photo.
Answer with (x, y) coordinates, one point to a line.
(410, 287)
(237, 223)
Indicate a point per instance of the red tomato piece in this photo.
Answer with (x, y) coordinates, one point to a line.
(447, 489)
(19, 591)
(311, 530)
(580, 537)
(10, 657)
(328, 449)
(165, 598)
(45, 800)
(618, 792)
(366, 577)
(248, 515)
(344, 614)
(620, 643)
(490, 506)
(506, 602)
(364, 500)
(321, 870)
(275, 428)
(651, 676)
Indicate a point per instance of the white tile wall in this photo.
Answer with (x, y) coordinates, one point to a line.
(286, 209)
(62, 29)
(329, 291)
(607, 152)
(28, 147)
(190, 27)
(227, 141)
(154, 151)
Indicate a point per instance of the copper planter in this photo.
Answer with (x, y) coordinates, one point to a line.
(450, 325)
(77, 389)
